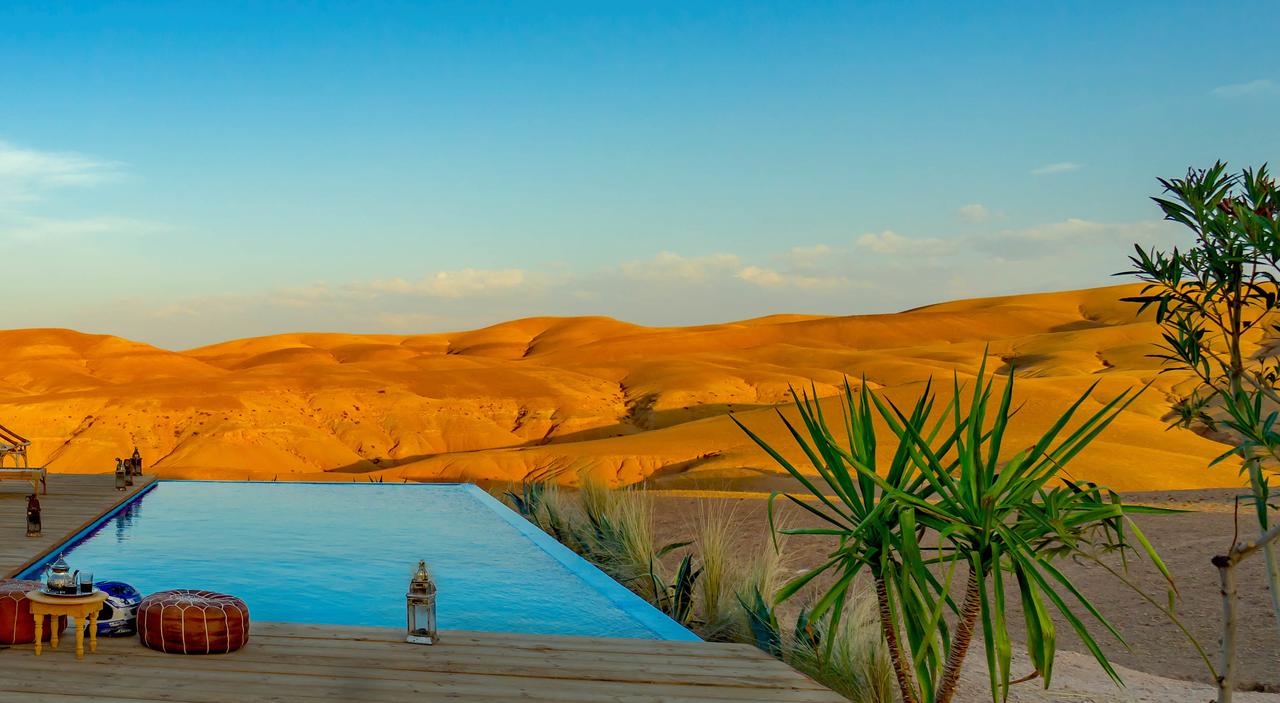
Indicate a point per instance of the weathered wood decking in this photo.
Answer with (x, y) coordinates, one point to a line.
(72, 503)
(292, 662)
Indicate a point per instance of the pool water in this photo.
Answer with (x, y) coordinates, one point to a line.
(342, 554)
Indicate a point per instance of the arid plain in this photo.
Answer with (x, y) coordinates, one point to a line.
(623, 402)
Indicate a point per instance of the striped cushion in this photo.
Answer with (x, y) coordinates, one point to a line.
(193, 622)
(16, 624)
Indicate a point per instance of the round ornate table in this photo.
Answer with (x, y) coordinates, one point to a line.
(82, 610)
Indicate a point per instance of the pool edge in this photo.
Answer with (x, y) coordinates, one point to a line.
(639, 609)
(64, 543)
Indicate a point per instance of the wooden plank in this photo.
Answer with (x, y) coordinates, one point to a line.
(191, 678)
(621, 649)
(505, 639)
(555, 665)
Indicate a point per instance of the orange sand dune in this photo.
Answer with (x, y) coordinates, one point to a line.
(622, 401)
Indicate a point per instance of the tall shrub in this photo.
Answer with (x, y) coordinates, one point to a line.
(1214, 302)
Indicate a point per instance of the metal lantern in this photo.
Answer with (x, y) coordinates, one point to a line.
(136, 463)
(33, 516)
(122, 475)
(421, 600)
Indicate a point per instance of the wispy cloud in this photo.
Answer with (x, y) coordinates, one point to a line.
(453, 284)
(29, 180)
(1059, 167)
(26, 173)
(808, 256)
(1018, 244)
(762, 277)
(671, 269)
(1262, 86)
(668, 266)
(891, 243)
(20, 226)
(974, 213)
(1051, 239)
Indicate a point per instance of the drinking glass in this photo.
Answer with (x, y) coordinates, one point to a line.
(86, 582)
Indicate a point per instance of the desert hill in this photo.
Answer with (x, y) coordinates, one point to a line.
(622, 401)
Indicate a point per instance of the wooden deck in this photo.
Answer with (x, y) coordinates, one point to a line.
(293, 662)
(73, 502)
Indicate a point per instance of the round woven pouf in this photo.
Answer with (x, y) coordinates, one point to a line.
(193, 622)
(16, 624)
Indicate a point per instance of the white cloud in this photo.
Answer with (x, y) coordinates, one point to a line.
(20, 226)
(807, 257)
(1059, 167)
(1073, 233)
(886, 242)
(452, 284)
(769, 278)
(302, 296)
(891, 243)
(762, 277)
(29, 176)
(818, 282)
(26, 173)
(974, 213)
(669, 266)
(1019, 244)
(1262, 86)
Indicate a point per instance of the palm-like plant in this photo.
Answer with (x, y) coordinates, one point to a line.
(861, 517)
(950, 497)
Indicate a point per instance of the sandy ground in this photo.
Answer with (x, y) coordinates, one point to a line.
(1076, 679)
(1165, 665)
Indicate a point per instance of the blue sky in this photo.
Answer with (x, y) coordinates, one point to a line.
(182, 173)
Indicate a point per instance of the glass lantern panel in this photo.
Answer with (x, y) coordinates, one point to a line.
(421, 617)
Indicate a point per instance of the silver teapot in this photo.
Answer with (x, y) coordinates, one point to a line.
(59, 578)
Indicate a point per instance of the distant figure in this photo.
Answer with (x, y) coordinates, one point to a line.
(136, 462)
(33, 516)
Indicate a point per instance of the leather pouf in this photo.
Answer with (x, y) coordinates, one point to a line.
(193, 622)
(16, 624)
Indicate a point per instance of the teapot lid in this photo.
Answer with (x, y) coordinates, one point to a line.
(60, 565)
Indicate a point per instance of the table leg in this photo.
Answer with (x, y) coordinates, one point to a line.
(39, 631)
(53, 632)
(93, 632)
(79, 635)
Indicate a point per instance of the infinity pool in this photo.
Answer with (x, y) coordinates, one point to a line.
(342, 554)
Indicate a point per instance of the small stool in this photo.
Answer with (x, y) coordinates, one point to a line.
(16, 626)
(83, 610)
(193, 622)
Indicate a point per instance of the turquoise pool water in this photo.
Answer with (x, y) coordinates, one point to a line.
(342, 554)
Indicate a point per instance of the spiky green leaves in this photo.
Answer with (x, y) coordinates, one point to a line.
(953, 497)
